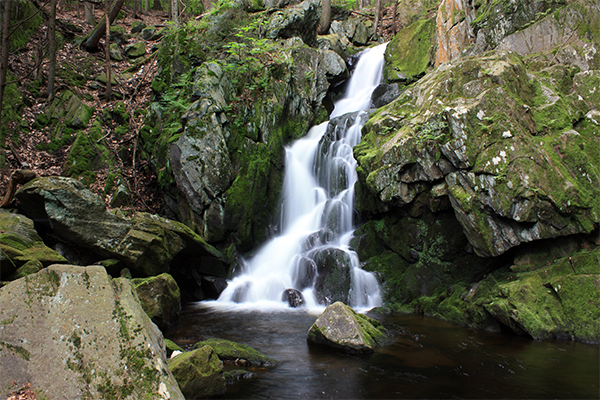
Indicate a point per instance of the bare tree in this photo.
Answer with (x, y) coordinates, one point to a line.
(378, 4)
(52, 52)
(175, 12)
(107, 50)
(4, 51)
(91, 44)
(394, 17)
(325, 18)
(89, 13)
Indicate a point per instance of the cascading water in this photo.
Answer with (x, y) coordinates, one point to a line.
(312, 254)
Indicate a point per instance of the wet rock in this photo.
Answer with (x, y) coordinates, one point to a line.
(333, 275)
(93, 323)
(304, 273)
(199, 373)
(213, 286)
(341, 328)
(384, 94)
(160, 298)
(293, 297)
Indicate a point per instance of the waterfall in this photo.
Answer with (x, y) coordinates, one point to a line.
(311, 253)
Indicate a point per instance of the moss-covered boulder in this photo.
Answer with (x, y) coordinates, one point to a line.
(160, 298)
(75, 331)
(233, 352)
(341, 328)
(513, 149)
(22, 251)
(135, 50)
(199, 373)
(147, 244)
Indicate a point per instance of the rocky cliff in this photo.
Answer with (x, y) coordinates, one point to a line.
(487, 167)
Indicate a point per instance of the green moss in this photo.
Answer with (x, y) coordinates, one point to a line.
(18, 350)
(409, 54)
(228, 350)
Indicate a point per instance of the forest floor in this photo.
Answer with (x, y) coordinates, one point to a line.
(22, 150)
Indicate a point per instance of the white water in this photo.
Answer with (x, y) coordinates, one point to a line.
(317, 210)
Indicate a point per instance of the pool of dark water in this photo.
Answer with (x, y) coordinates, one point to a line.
(427, 358)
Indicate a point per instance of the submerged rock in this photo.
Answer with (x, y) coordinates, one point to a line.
(341, 328)
(199, 373)
(75, 331)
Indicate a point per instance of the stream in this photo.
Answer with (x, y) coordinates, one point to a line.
(427, 358)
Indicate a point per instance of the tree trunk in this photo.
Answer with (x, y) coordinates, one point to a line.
(325, 18)
(89, 13)
(135, 9)
(377, 15)
(394, 17)
(4, 52)
(52, 52)
(91, 44)
(175, 11)
(107, 51)
(157, 5)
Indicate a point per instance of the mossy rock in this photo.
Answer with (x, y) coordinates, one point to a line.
(199, 373)
(410, 53)
(341, 328)
(231, 351)
(160, 298)
(22, 251)
(135, 50)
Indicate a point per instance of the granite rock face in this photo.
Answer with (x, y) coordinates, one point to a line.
(74, 332)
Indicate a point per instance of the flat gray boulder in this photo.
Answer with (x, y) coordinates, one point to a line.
(73, 332)
(147, 244)
(341, 328)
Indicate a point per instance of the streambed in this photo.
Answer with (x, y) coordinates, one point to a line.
(427, 358)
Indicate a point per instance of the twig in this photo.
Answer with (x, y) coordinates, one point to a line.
(572, 266)
(104, 137)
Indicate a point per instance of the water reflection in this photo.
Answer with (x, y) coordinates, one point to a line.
(427, 359)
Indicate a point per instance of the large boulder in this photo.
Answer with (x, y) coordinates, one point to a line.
(147, 244)
(160, 298)
(74, 332)
(513, 148)
(199, 373)
(341, 328)
(22, 251)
